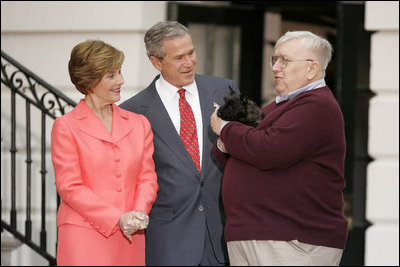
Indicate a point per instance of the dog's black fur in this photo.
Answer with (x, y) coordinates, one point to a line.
(238, 107)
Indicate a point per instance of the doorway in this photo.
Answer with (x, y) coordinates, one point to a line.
(237, 27)
(228, 41)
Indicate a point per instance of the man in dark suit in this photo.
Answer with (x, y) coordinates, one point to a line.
(187, 219)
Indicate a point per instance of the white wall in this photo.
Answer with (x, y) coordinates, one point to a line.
(40, 36)
(382, 203)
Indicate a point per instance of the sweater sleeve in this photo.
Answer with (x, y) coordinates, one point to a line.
(301, 129)
(219, 155)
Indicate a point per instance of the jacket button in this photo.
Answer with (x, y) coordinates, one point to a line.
(201, 208)
(119, 189)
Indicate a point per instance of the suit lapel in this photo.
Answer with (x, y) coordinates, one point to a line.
(88, 123)
(121, 124)
(163, 127)
(207, 108)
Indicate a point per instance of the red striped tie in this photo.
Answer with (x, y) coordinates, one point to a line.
(188, 130)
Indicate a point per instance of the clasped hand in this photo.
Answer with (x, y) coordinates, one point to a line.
(132, 221)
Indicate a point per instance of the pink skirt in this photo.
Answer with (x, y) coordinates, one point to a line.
(79, 246)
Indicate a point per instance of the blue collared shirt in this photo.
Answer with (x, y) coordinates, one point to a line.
(314, 85)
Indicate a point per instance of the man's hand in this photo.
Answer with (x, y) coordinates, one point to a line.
(216, 122)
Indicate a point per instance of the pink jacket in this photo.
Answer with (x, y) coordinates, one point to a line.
(100, 175)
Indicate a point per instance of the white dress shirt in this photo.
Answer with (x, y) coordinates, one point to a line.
(170, 97)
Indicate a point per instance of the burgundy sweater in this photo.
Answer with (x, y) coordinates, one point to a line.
(283, 180)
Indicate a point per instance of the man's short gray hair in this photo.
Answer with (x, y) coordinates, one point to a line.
(320, 46)
(155, 36)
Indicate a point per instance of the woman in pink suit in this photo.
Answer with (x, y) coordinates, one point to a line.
(104, 170)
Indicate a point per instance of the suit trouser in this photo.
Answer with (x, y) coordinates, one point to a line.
(209, 256)
(283, 253)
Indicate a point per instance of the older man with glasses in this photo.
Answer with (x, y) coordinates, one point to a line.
(283, 180)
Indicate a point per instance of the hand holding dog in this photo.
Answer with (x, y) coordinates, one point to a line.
(216, 122)
(216, 125)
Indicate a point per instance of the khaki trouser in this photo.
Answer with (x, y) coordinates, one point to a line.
(283, 253)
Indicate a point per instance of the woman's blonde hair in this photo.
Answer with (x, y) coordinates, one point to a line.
(90, 61)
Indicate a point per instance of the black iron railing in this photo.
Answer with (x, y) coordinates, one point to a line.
(49, 103)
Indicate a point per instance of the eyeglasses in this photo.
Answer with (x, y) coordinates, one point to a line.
(282, 61)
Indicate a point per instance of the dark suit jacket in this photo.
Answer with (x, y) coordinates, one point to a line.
(188, 204)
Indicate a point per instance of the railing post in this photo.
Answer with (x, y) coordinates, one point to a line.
(43, 172)
(28, 222)
(13, 150)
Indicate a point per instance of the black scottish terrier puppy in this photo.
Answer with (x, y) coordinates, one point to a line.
(238, 107)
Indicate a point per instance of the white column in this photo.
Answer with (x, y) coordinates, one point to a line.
(382, 198)
(272, 32)
(8, 245)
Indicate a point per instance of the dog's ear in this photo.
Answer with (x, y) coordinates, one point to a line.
(227, 97)
(244, 99)
(231, 95)
(231, 90)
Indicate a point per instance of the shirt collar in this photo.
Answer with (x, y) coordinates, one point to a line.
(313, 85)
(169, 91)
